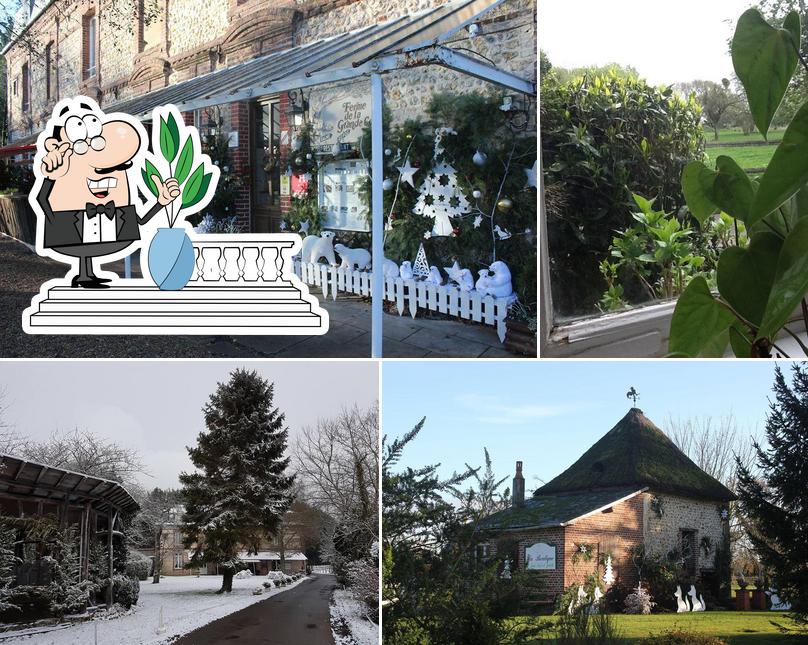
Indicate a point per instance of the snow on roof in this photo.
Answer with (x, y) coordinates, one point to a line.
(270, 555)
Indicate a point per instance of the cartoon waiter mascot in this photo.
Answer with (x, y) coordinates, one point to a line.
(87, 205)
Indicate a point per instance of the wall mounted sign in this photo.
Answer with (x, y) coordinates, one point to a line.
(540, 557)
(340, 122)
(339, 198)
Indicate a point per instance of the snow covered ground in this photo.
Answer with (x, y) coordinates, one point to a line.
(348, 623)
(187, 602)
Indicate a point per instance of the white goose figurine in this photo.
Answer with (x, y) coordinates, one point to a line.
(698, 603)
(681, 603)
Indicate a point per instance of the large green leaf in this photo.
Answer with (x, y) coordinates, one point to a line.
(699, 324)
(787, 171)
(147, 174)
(184, 161)
(200, 194)
(732, 191)
(727, 188)
(790, 281)
(697, 182)
(764, 58)
(169, 138)
(745, 276)
(191, 188)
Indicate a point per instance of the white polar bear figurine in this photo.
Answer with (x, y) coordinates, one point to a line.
(434, 276)
(465, 280)
(406, 270)
(499, 285)
(359, 258)
(319, 246)
(389, 269)
(482, 282)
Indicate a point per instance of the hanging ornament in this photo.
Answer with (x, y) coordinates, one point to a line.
(387, 184)
(477, 221)
(420, 268)
(439, 134)
(456, 231)
(298, 161)
(388, 152)
(502, 234)
(477, 194)
(308, 155)
(427, 235)
(531, 175)
(407, 172)
(504, 205)
(283, 225)
(441, 199)
(479, 158)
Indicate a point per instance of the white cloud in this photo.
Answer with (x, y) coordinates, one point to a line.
(494, 410)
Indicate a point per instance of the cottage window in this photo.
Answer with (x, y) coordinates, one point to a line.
(178, 561)
(90, 29)
(48, 69)
(690, 552)
(483, 551)
(26, 88)
(151, 24)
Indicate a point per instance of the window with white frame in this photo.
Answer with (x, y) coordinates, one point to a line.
(178, 563)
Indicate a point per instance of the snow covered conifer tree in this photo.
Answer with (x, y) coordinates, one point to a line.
(241, 489)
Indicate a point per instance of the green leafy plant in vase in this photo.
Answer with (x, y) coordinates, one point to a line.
(171, 259)
(763, 283)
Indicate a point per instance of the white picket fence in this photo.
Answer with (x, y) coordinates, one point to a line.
(408, 295)
(322, 568)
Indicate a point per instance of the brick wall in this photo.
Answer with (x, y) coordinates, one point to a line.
(554, 579)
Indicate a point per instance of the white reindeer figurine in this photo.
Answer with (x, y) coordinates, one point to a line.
(698, 603)
(681, 604)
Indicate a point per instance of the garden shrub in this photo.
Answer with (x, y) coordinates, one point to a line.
(603, 137)
(639, 602)
(125, 590)
(138, 566)
(27, 603)
(678, 637)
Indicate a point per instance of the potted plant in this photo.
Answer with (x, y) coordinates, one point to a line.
(171, 259)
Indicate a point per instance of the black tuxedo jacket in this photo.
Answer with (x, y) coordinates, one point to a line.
(64, 228)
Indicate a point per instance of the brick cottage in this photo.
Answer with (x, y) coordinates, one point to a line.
(117, 50)
(633, 488)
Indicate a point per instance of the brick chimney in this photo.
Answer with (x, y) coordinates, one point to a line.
(518, 486)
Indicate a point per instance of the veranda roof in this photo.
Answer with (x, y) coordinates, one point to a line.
(635, 454)
(555, 510)
(347, 55)
(29, 479)
(271, 555)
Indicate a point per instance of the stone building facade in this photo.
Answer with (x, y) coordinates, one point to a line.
(112, 50)
(632, 491)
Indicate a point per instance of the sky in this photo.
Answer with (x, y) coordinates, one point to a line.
(667, 42)
(155, 407)
(548, 413)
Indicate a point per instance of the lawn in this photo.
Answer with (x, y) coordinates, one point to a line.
(736, 135)
(745, 156)
(737, 627)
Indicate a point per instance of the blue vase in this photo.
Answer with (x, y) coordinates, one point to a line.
(171, 258)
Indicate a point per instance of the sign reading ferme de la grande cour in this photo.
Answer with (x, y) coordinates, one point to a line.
(540, 556)
(340, 122)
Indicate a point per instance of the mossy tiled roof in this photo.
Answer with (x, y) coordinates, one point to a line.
(636, 454)
(554, 510)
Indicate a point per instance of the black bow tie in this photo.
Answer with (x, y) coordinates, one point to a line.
(107, 209)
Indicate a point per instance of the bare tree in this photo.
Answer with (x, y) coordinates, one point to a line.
(338, 460)
(11, 443)
(85, 452)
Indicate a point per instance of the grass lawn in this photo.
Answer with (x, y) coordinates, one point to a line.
(737, 627)
(735, 135)
(745, 156)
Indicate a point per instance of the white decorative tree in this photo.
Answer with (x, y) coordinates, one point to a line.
(420, 268)
(441, 199)
(608, 576)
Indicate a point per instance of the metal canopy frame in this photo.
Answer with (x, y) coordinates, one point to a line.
(402, 43)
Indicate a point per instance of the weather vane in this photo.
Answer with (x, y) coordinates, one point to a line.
(633, 395)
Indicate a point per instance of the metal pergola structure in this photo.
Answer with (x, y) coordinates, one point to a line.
(401, 43)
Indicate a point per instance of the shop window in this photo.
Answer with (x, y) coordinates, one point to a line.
(26, 88)
(48, 69)
(89, 37)
(151, 25)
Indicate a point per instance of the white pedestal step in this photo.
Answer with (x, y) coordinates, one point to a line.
(210, 309)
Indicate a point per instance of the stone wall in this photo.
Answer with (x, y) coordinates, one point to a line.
(662, 529)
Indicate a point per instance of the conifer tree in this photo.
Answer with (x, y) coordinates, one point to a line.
(241, 489)
(774, 505)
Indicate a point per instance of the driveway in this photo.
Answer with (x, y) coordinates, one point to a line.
(300, 615)
(22, 272)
